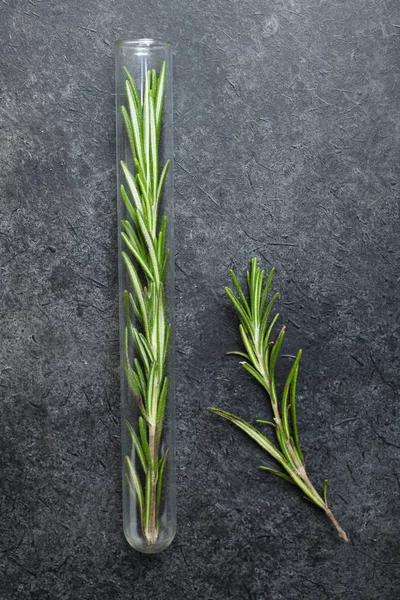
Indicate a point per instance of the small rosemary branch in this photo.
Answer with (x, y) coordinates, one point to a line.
(146, 259)
(260, 358)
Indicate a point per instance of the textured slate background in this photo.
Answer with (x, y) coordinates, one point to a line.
(287, 147)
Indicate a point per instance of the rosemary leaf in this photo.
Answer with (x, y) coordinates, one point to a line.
(134, 483)
(138, 446)
(160, 478)
(278, 473)
(162, 179)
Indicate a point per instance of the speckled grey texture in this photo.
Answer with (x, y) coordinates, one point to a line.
(286, 147)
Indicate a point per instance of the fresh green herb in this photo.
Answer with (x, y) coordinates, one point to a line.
(145, 258)
(260, 358)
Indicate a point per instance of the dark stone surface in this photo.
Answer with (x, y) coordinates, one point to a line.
(286, 147)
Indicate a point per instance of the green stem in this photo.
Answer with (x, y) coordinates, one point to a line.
(151, 530)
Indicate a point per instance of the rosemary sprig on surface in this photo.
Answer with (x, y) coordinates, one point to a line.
(260, 358)
(146, 259)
